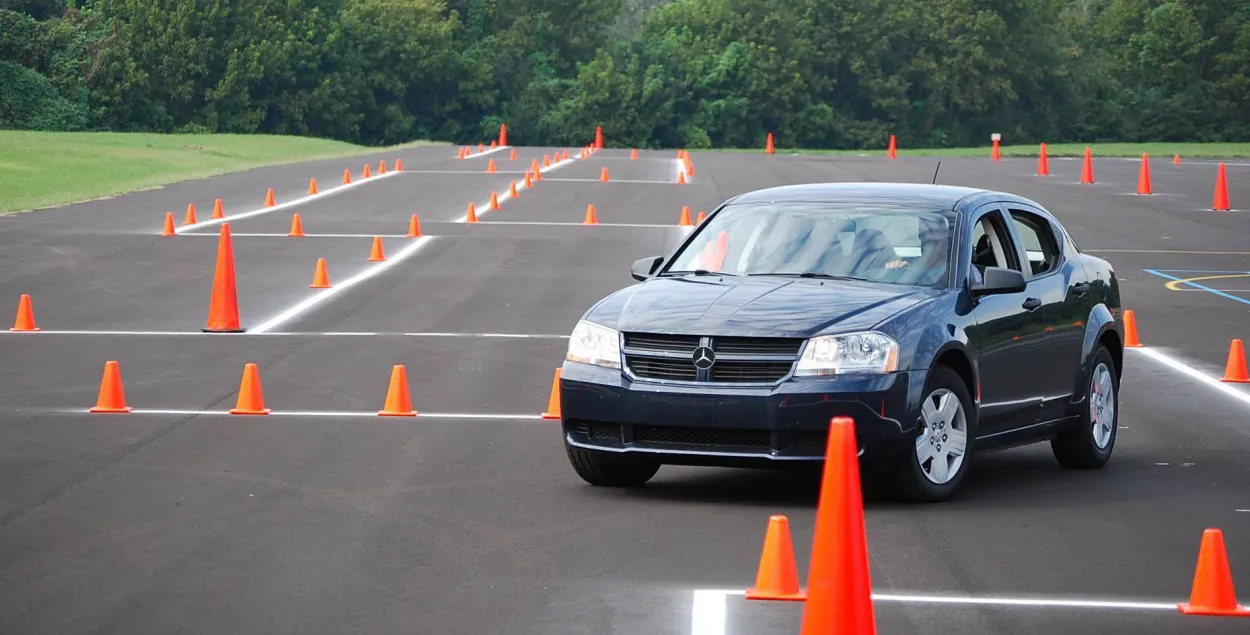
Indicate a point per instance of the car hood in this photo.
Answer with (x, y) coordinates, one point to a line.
(754, 306)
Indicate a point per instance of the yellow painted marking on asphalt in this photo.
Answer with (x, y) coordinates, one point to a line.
(1172, 286)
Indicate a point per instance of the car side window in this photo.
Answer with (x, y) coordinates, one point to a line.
(1038, 240)
(991, 246)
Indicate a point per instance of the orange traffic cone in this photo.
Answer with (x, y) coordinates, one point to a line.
(190, 219)
(839, 588)
(553, 402)
(512, 155)
(512, 190)
(472, 217)
(25, 320)
(494, 201)
(375, 252)
(1143, 176)
(112, 398)
(1087, 168)
(590, 216)
(1212, 592)
(633, 154)
(1130, 330)
(995, 155)
(481, 148)
(1221, 191)
(546, 160)
(366, 173)
(566, 155)
(414, 227)
(398, 398)
(535, 169)
(493, 143)
(1235, 369)
(399, 165)
(347, 177)
(685, 217)
(768, 145)
(382, 166)
(1176, 159)
(528, 181)
(1043, 163)
(503, 134)
(251, 400)
(297, 227)
(681, 177)
(169, 230)
(269, 198)
(312, 186)
(702, 217)
(778, 575)
(218, 211)
(223, 306)
(321, 277)
(891, 150)
(603, 174)
(490, 166)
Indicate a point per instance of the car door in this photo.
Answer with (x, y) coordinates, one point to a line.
(1009, 330)
(1061, 286)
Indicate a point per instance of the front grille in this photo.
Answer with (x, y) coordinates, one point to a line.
(712, 437)
(738, 360)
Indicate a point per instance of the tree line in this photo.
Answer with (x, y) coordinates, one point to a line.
(653, 73)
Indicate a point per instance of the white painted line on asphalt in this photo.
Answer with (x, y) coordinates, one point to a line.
(578, 224)
(475, 155)
(481, 209)
(708, 613)
(1194, 373)
(327, 413)
(235, 234)
(611, 180)
(295, 334)
(325, 294)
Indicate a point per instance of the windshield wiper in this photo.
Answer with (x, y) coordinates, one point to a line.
(807, 274)
(697, 272)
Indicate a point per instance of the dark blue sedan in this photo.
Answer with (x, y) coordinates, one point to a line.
(945, 321)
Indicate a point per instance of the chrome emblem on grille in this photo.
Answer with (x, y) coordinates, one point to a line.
(704, 358)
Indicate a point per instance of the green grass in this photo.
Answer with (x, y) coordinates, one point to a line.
(44, 169)
(1186, 150)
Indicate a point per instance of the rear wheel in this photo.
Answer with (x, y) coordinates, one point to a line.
(1088, 444)
(932, 468)
(608, 469)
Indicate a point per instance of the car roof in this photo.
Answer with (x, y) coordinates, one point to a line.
(943, 196)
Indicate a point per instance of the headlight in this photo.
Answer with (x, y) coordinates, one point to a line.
(594, 344)
(847, 354)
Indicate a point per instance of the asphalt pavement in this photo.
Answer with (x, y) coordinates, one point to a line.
(467, 519)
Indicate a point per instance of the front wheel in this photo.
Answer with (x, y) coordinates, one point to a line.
(608, 469)
(1088, 444)
(933, 467)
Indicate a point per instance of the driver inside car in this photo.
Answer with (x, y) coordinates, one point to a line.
(930, 266)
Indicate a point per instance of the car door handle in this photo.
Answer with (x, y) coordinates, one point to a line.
(1081, 288)
(1031, 304)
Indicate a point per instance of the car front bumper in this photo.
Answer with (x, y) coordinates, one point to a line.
(718, 424)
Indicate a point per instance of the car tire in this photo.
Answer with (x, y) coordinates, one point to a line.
(1088, 444)
(607, 469)
(915, 482)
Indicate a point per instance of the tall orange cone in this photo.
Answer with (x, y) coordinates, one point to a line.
(375, 252)
(1143, 175)
(1212, 592)
(312, 186)
(472, 216)
(366, 173)
(1221, 191)
(1043, 163)
(490, 166)
(494, 201)
(25, 320)
(112, 397)
(528, 181)
(768, 145)
(321, 277)
(599, 136)
(269, 198)
(994, 153)
(190, 219)
(399, 165)
(1130, 330)
(685, 217)
(223, 306)
(503, 134)
(839, 588)
(398, 398)
(414, 227)
(347, 176)
(891, 150)
(1235, 369)
(603, 174)
(168, 229)
(218, 211)
(778, 575)
(251, 400)
(1087, 168)
(590, 216)
(512, 190)
(297, 227)
(553, 401)
(382, 166)
(534, 167)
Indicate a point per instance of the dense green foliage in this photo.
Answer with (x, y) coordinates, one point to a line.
(654, 73)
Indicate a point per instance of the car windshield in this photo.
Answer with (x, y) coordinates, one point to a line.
(890, 243)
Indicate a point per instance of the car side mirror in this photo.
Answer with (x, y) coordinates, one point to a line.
(644, 268)
(999, 280)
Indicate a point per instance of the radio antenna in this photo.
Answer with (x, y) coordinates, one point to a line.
(935, 172)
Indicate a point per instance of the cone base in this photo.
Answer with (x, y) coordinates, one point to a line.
(1235, 381)
(102, 409)
(17, 330)
(208, 330)
(756, 594)
(1189, 609)
(318, 286)
(237, 411)
(375, 260)
(384, 413)
(548, 415)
